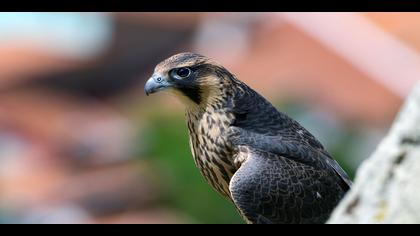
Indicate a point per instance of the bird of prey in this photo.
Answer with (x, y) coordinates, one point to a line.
(266, 163)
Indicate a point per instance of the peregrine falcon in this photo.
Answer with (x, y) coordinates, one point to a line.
(269, 166)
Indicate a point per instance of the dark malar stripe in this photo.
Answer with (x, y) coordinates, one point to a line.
(192, 93)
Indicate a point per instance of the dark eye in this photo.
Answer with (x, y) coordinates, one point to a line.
(183, 72)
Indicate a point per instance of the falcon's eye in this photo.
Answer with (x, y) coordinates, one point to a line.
(183, 72)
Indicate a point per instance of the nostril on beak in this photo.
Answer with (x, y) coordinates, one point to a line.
(154, 84)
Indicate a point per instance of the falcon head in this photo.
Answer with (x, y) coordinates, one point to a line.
(192, 77)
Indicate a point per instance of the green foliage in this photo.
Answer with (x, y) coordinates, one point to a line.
(184, 188)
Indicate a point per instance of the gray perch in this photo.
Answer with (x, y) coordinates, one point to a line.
(387, 185)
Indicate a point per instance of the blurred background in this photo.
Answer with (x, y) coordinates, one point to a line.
(81, 143)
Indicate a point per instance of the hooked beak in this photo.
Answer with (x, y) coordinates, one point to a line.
(155, 83)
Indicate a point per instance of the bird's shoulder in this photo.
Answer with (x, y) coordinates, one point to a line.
(253, 113)
(259, 125)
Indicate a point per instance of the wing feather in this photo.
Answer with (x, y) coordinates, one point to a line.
(269, 188)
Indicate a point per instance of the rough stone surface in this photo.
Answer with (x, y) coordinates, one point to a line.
(387, 185)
